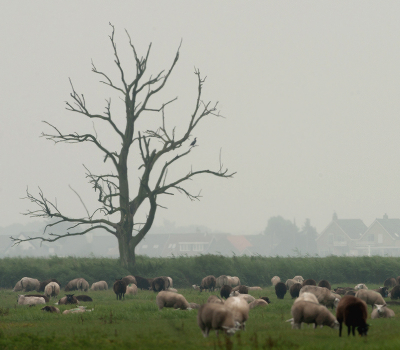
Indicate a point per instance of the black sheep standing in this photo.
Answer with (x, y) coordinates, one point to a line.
(225, 291)
(119, 288)
(280, 290)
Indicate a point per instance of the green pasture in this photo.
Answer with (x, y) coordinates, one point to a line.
(136, 323)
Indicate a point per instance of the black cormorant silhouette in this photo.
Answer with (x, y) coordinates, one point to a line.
(194, 142)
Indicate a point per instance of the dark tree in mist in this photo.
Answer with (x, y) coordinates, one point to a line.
(120, 194)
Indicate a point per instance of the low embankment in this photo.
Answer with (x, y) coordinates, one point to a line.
(186, 271)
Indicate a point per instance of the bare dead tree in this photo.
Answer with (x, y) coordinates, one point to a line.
(113, 190)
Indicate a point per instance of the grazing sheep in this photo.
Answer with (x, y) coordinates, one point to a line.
(143, 283)
(119, 288)
(43, 284)
(79, 309)
(395, 293)
(249, 298)
(158, 284)
(309, 312)
(68, 299)
(298, 279)
(52, 289)
(84, 298)
(324, 295)
(289, 283)
(27, 284)
(266, 299)
(72, 285)
(45, 297)
(101, 285)
(171, 299)
(225, 291)
(342, 290)
(360, 286)
(324, 283)
(22, 300)
(221, 281)
(172, 290)
(382, 291)
(51, 309)
(131, 289)
(194, 306)
(352, 311)
(398, 280)
(217, 317)
(214, 299)
(370, 297)
(240, 310)
(351, 292)
(233, 281)
(254, 288)
(307, 297)
(295, 290)
(257, 302)
(129, 280)
(382, 311)
(275, 280)
(170, 282)
(280, 290)
(195, 287)
(309, 282)
(390, 282)
(82, 285)
(208, 283)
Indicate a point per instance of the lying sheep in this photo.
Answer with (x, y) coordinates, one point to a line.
(257, 302)
(68, 299)
(275, 280)
(352, 311)
(194, 306)
(214, 299)
(382, 311)
(254, 288)
(217, 317)
(360, 286)
(52, 289)
(324, 295)
(131, 289)
(342, 290)
(171, 299)
(101, 285)
(79, 309)
(85, 298)
(30, 300)
(45, 297)
(370, 297)
(195, 287)
(170, 289)
(308, 312)
(240, 310)
(307, 297)
(51, 309)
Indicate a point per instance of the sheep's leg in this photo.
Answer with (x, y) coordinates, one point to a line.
(340, 329)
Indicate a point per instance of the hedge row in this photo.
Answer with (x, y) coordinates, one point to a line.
(185, 271)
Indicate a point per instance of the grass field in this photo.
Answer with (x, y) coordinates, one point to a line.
(136, 323)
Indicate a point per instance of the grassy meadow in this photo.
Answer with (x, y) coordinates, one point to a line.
(136, 323)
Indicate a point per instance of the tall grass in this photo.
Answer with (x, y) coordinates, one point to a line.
(185, 271)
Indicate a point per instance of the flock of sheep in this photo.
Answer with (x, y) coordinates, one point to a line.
(230, 311)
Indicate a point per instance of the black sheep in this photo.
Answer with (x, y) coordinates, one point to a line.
(158, 284)
(143, 283)
(84, 298)
(208, 282)
(266, 299)
(351, 292)
(225, 291)
(243, 289)
(280, 290)
(309, 282)
(353, 313)
(324, 283)
(68, 299)
(50, 309)
(119, 289)
(395, 292)
(295, 290)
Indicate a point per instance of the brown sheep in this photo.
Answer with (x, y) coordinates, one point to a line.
(84, 298)
(295, 290)
(143, 283)
(389, 282)
(158, 284)
(243, 289)
(395, 293)
(353, 313)
(68, 299)
(51, 309)
(225, 291)
(217, 317)
(309, 282)
(72, 285)
(119, 289)
(171, 299)
(208, 283)
(325, 283)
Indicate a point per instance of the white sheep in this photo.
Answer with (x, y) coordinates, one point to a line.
(249, 298)
(22, 300)
(214, 299)
(240, 310)
(171, 299)
(100, 285)
(306, 296)
(170, 282)
(172, 290)
(52, 289)
(290, 282)
(131, 289)
(275, 280)
(27, 284)
(370, 297)
(217, 317)
(79, 309)
(360, 286)
(195, 287)
(298, 279)
(257, 302)
(382, 311)
(254, 288)
(324, 295)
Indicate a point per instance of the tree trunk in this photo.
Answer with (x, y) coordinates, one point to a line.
(126, 252)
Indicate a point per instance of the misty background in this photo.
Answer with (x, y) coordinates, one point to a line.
(309, 91)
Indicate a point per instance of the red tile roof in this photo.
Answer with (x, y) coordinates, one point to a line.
(239, 242)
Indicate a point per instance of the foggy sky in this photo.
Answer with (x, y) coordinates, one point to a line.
(309, 91)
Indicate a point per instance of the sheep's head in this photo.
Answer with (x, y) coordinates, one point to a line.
(336, 302)
(363, 330)
(380, 308)
(335, 325)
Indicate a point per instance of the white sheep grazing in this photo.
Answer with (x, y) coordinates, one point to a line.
(324, 295)
(233, 281)
(240, 309)
(249, 298)
(100, 285)
(308, 312)
(131, 289)
(298, 279)
(257, 302)
(370, 297)
(275, 280)
(306, 296)
(171, 299)
(289, 283)
(27, 284)
(254, 288)
(360, 286)
(382, 311)
(52, 289)
(217, 317)
(22, 300)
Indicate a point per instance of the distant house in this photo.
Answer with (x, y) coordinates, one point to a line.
(340, 237)
(381, 238)
(187, 244)
(152, 245)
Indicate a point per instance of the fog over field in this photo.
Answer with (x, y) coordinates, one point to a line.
(309, 91)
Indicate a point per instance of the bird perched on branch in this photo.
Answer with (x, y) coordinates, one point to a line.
(194, 142)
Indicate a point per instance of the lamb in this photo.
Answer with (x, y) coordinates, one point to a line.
(280, 290)
(240, 310)
(289, 283)
(208, 283)
(390, 282)
(309, 282)
(275, 280)
(129, 280)
(51, 309)
(43, 284)
(52, 289)
(68, 299)
(352, 311)
(84, 298)
(82, 285)
(225, 291)
(171, 299)
(324, 283)
(370, 297)
(257, 302)
(324, 295)
(360, 286)
(79, 309)
(295, 290)
(158, 284)
(217, 317)
(382, 311)
(131, 289)
(22, 300)
(143, 283)
(306, 296)
(119, 289)
(27, 284)
(214, 299)
(72, 285)
(395, 292)
(298, 279)
(309, 312)
(101, 285)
